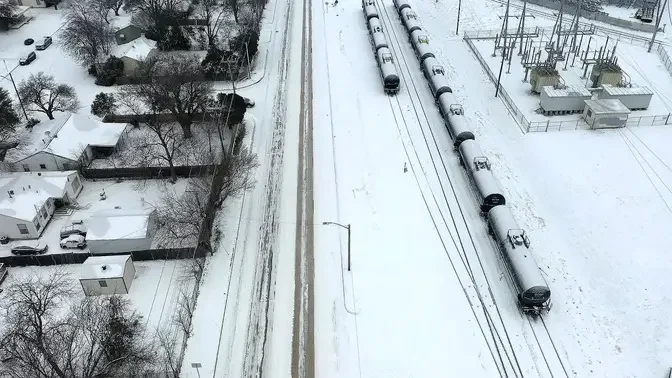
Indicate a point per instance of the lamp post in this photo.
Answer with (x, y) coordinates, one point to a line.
(347, 228)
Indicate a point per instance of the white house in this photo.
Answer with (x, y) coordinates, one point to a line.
(107, 275)
(134, 52)
(64, 143)
(28, 200)
(121, 231)
(31, 3)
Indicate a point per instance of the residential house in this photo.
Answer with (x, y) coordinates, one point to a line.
(127, 34)
(134, 52)
(64, 143)
(107, 275)
(121, 231)
(28, 200)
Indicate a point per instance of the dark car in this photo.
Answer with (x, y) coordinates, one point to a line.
(36, 249)
(28, 58)
(73, 229)
(28, 41)
(46, 42)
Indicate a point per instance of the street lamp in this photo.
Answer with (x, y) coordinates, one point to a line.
(196, 365)
(347, 228)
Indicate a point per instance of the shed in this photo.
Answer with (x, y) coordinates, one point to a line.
(121, 231)
(634, 98)
(127, 34)
(107, 275)
(605, 114)
(567, 100)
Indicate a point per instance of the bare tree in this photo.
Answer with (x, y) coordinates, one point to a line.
(114, 5)
(7, 9)
(184, 312)
(170, 361)
(40, 93)
(162, 145)
(213, 12)
(175, 84)
(98, 337)
(238, 175)
(87, 35)
(233, 5)
(181, 215)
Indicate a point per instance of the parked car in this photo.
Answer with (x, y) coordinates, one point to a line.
(42, 45)
(74, 241)
(73, 229)
(28, 41)
(27, 249)
(248, 102)
(28, 58)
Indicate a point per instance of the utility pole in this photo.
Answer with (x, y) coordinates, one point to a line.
(16, 90)
(459, 9)
(504, 28)
(659, 16)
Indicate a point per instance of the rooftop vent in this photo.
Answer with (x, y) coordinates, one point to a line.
(104, 268)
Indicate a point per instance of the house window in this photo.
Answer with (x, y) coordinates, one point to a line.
(45, 214)
(43, 166)
(26, 168)
(102, 283)
(66, 166)
(76, 184)
(37, 224)
(23, 229)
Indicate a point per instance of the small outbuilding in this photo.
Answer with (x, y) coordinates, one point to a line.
(605, 114)
(120, 231)
(107, 275)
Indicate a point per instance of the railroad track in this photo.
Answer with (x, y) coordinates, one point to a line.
(470, 278)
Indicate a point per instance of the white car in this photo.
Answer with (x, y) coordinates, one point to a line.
(74, 241)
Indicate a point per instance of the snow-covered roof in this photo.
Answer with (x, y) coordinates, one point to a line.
(138, 49)
(625, 91)
(30, 191)
(67, 134)
(607, 106)
(118, 224)
(97, 267)
(569, 91)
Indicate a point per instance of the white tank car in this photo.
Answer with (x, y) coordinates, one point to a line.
(410, 20)
(534, 295)
(436, 77)
(369, 7)
(478, 167)
(453, 116)
(388, 71)
(401, 5)
(420, 42)
(377, 36)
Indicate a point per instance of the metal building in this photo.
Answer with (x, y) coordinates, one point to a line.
(634, 98)
(567, 100)
(605, 114)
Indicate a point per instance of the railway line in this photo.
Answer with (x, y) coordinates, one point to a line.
(475, 285)
(470, 277)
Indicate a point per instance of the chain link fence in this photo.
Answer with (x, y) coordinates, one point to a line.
(543, 126)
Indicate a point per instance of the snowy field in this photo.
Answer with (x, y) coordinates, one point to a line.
(595, 205)
(154, 292)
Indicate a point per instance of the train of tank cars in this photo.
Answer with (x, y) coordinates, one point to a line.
(534, 295)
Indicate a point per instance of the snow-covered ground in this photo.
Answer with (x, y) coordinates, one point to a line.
(595, 205)
(154, 292)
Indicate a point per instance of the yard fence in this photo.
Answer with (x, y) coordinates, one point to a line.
(665, 57)
(146, 172)
(78, 258)
(544, 126)
(164, 117)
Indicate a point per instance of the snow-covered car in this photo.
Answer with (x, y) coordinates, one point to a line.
(73, 241)
(248, 102)
(42, 45)
(27, 59)
(73, 229)
(30, 249)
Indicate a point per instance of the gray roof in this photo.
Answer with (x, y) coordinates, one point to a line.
(607, 106)
(566, 92)
(621, 91)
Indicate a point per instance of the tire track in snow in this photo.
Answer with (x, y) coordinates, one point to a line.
(264, 283)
